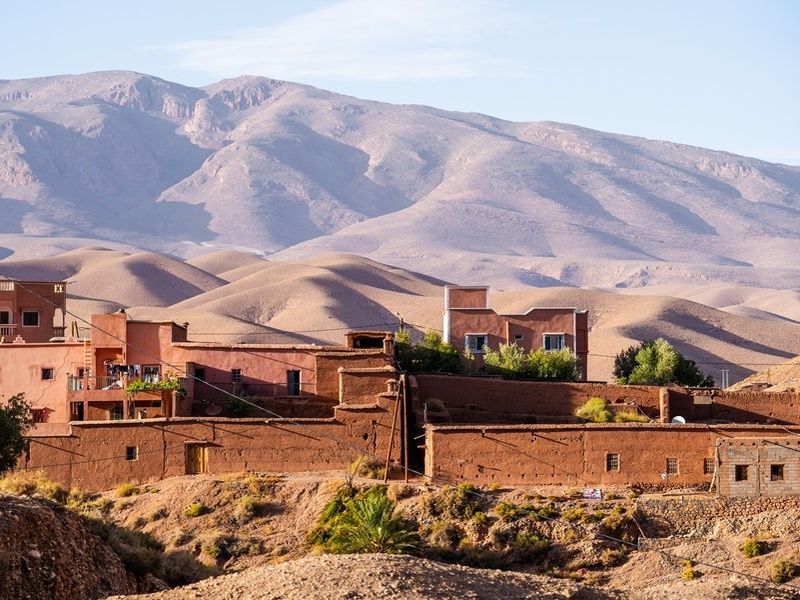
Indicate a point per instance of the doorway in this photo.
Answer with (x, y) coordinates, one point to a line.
(196, 458)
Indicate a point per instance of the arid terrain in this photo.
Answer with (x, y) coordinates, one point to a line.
(253, 530)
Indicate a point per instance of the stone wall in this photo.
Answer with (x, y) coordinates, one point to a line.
(698, 515)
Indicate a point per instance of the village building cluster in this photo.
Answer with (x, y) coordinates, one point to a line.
(139, 400)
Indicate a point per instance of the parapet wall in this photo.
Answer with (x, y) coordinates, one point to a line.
(457, 399)
(95, 455)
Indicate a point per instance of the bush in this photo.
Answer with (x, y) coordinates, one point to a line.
(574, 514)
(34, 483)
(181, 568)
(196, 509)
(369, 525)
(460, 502)
(783, 570)
(753, 547)
(529, 546)
(430, 355)
(125, 490)
(367, 466)
(595, 410)
(688, 572)
(511, 362)
(656, 362)
(630, 417)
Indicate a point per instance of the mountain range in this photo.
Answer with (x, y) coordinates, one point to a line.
(285, 170)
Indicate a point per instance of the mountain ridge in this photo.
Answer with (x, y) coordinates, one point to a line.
(286, 169)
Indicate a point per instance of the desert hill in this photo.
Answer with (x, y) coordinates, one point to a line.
(255, 164)
(242, 297)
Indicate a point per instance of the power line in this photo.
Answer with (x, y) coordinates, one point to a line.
(360, 451)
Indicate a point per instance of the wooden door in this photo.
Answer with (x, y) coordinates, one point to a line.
(196, 458)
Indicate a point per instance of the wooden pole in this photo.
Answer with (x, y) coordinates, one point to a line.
(405, 425)
(391, 435)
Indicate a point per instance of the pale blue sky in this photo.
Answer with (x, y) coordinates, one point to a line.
(719, 74)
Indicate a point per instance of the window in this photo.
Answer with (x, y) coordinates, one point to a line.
(131, 452)
(776, 472)
(293, 383)
(740, 473)
(200, 373)
(672, 466)
(236, 375)
(708, 466)
(38, 415)
(612, 462)
(151, 373)
(30, 318)
(116, 412)
(553, 341)
(475, 341)
(58, 288)
(48, 373)
(518, 338)
(5, 317)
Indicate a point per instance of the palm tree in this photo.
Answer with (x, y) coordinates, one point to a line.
(370, 525)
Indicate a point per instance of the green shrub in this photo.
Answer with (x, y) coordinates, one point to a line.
(611, 557)
(529, 546)
(480, 518)
(196, 509)
(574, 514)
(783, 570)
(630, 417)
(444, 534)
(125, 490)
(753, 547)
(511, 362)
(369, 525)
(508, 511)
(460, 502)
(687, 570)
(595, 410)
(431, 354)
(181, 568)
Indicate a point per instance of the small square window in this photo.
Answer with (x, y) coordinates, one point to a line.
(553, 342)
(30, 318)
(200, 373)
(116, 412)
(48, 374)
(236, 375)
(612, 462)
(672, 466)
(740, 473)
(475, 341)
(776, 472)
(131, 452)
(708, 466)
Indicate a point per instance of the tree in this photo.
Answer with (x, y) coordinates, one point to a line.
(657, 362)
(511, 362)
(430, 355)
(15, 421)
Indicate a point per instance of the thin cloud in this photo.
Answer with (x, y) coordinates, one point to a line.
(363, 40)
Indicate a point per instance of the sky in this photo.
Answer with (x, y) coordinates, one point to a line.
(712, 73)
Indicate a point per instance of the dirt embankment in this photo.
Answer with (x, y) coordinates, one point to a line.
(46, 552)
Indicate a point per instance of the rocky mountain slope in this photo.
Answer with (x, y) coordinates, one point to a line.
(281, 167)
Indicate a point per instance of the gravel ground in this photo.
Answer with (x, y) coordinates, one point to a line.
(376, 576)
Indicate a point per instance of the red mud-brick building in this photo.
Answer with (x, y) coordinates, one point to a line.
(470, 324)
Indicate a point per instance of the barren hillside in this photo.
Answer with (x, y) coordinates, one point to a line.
(272, 166)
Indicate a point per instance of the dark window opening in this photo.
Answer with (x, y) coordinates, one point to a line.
(116, 413)
(48, 374)
(200, 373)
(30, 318)
(672, 466)
(776, 472)
(364, 341)
(5, 317)
(612, 462)
(236, 375)
(293, 383)
(708, 466)
(38, 415)
(131, 452)
(740, 473)
(76, 411)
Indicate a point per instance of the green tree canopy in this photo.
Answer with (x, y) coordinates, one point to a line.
(657, 362)
(512, 362)
(15, 421)
(429, 355)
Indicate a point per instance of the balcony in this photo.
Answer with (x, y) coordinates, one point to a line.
(9, 332)
(81, 389)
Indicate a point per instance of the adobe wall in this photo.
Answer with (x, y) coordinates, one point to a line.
(362, 385)
(93, 456)
(576, 454)
(697, 515)
(494, 400)
(748, 406)
(329, 363)
(21, 371)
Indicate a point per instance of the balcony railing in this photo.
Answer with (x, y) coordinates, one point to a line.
(6, 286)
(58, 331)
(80, 384)
(8, 330)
